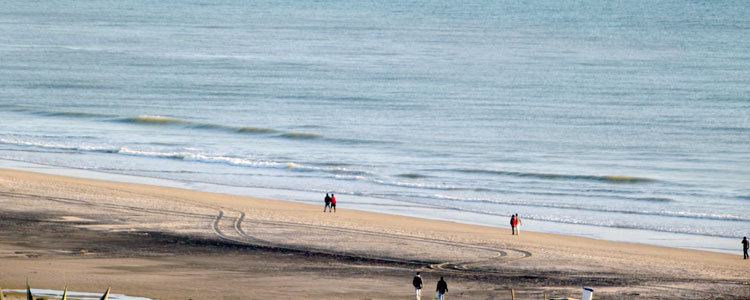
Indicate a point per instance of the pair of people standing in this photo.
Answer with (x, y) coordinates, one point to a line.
(515, 223)
(330, 203)
(442, 287)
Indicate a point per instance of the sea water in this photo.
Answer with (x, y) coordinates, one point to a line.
(624, 120)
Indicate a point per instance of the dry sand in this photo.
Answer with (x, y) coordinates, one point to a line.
(169, 243)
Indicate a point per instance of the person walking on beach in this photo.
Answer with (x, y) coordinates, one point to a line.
(417, 283)
(333, 202)
(328, 203)
(442, 288)
(518, 224)
(745, 246)
(513, 223)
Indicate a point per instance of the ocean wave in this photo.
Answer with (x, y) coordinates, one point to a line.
(661, 213)
(592, 193)
(163, 120)
(451, 187)
(356, 174)
(46, 112)
(650, 199)
(58, 146)
(192, 156)
(606, 178)
(415, 185)
(411, 198)
(12, 106)
(339, 171)
(63, 85)
(75, 114)
(301, 135)
(198, 157)
(412, 175)
(157, 120)
(292, 135)
(166, 120)
(249, 129)
(171, 155)
(236, 129)
(614, 224)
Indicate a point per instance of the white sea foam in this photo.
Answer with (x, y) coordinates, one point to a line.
(58, 146)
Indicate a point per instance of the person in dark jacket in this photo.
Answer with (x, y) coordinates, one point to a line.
(328, 203)
(745, 246)
(417, 283)
(442, 288)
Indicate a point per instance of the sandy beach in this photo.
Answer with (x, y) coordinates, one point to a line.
(168, 243)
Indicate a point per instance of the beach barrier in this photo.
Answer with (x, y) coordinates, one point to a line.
(30, 296)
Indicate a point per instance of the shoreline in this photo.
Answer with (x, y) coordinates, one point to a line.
(628, 235)
(137, 237)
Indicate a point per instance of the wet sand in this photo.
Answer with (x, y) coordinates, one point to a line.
(168, 243)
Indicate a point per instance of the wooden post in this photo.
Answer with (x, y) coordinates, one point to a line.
(512, 294)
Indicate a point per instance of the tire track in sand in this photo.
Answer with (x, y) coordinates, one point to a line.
(447, 266)
(239, 235)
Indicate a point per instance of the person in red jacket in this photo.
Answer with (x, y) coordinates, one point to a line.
(333, 202)
(513, 225)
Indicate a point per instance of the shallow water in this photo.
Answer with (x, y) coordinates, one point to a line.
(626, 121)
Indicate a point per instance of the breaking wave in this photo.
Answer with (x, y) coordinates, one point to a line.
(237, 129)
(57, 146)
(166, 121)
(661, 213)
(158, 120)
(606, 178)
(190, 156)
(74, 114)
(301, 135)
(248, 129)
(162, 120)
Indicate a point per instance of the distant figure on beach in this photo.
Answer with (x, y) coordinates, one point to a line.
(442, 288)
(518, 224)
(333, 202)
(513, 224)
(745, 246)
(328, 203)
(417, 282)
